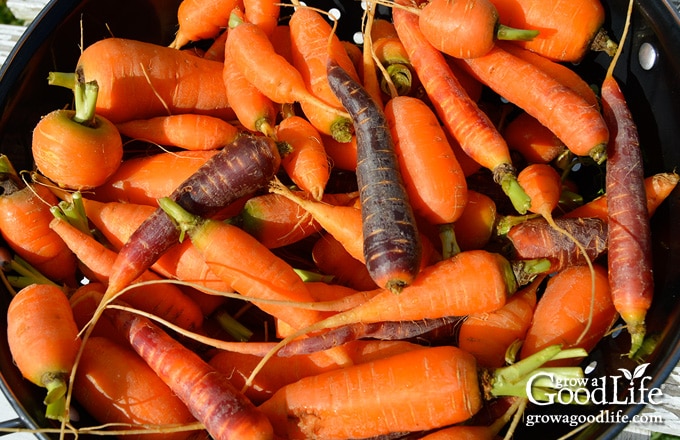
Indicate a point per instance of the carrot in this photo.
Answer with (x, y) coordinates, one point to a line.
(466, 29)
(275, 220)
(307, 163)
(114, 385)
(84, 301)
(536, 238)
(313, 44)
(575, 121)
(342, 403)
(24, 225)
(139, 80)
(144, 179)
(248, 266)
(342, 155)
(475, 226)
(264, 13)
(559, 71)
(533, 140)
(464, 120)
(187, 131)
(164, 300)
(331, 258)
(78, 149)
(255, 111)
(657, 189)
(281, 371)
(583, 320)
(208, 394)
(562, 36)
(254, 55)
(239, 170)
(488, 336)
(391, 243)
(43, 341)
(629, 242)
(215, 52)
(200, 20)
(390, 52)
(433, 178)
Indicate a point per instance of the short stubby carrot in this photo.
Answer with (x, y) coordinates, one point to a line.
(185, 131)
(139, 80)
(201, 20)
(43, 341)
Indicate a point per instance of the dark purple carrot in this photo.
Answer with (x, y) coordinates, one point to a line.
(392, 247)
(241, 168)
(535, 238)
(629, 255)
(224, 411)
(384, 330)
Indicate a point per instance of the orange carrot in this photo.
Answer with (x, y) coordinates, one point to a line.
(114, 385)
(216, 50)
(164, 300)
(575, 121)
(24, 224)
(139, 80)
(583, 319)
(43, 341)
(84, 301)
(200, 20)
(432, 175)
(187, 131)
(657, 189)
(466, 29)
(558, 38)
(208, 394)
(332, 258)
(307, 163)
(488, 336)
(77, 149)
(533, 140)
(144, 179)
(475, 226)
(255, 111)
(330, 406)
(469, 125)
(629, 250)
(264, 13)
(254, 55)
(276, 221)
(342, 155)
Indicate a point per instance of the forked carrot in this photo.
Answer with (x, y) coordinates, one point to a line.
(43, 341)
(629, 243)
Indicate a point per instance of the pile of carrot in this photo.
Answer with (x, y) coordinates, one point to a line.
(339, 256)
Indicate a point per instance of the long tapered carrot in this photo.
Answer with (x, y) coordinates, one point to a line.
(629, 243)
(573, 119)
(208, 394)
(473, 129)
(391, 242)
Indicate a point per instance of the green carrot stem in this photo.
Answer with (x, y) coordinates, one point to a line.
(401, 77)
(73, 212)
(185, 220)
(505, 176)
(232, 326)
(447, 235)
(55, 399)
(27, 274)
(504, 32)
(62, 79)
(85, 94)
(310, 276)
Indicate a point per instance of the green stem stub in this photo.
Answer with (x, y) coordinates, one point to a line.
(509, 33)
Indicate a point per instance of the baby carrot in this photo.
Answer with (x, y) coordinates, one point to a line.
(391, 242)
(43, 341)
(186, 131)
(200, 20)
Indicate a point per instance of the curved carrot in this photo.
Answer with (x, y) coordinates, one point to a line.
(561, 36)
(140, 398)
(576, 122)
(200, 20)
(187, 131)
(144, 179)
(466, 29)
(629, 244)
(139, 80)
(43, 341)
(24, 224)
(208, 394)
(432, 175)
(391, 243)
(307, 163)
(471, 127)
(77, 149)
